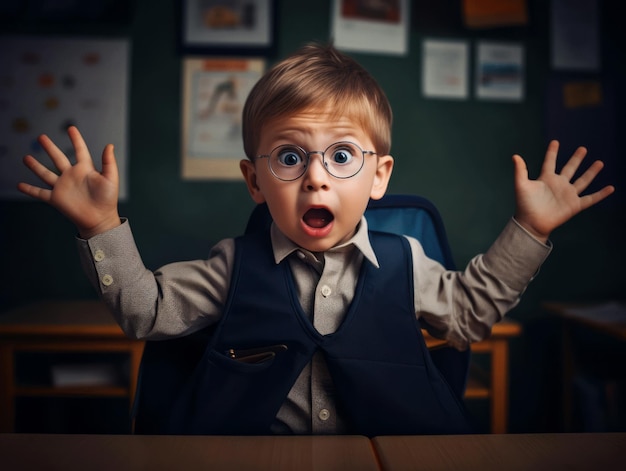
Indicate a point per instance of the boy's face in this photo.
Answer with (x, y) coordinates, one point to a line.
(316, 211)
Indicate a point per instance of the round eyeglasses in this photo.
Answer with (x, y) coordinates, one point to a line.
(343, 159)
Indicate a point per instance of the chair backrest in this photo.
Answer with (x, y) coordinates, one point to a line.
(414, 216)
(417, 217)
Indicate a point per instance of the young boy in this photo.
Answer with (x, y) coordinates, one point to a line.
(314, 323)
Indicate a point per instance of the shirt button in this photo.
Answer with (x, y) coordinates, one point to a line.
(107, 280)
(324, 414)
(301, 256)
(98, 255)
(326, 291)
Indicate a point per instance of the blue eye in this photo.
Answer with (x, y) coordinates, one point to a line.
(289, 157)
(342, 156)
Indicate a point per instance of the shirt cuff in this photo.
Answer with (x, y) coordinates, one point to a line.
(102, 256)
(516, 256)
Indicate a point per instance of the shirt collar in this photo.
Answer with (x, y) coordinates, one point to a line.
(283, 246)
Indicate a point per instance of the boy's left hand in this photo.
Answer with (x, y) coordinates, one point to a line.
(544, 204)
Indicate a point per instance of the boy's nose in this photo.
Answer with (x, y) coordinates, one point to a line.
(316, 177)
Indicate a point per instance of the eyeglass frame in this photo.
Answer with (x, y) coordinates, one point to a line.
(308, 161)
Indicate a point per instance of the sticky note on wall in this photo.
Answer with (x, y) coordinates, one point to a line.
(582, 94)
(494, 13)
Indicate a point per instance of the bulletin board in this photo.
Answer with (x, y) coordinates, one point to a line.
(50, 83)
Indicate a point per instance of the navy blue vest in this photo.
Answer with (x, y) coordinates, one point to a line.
(385, 381)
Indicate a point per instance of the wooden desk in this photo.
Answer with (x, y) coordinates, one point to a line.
(512, 452)
(53, 327)
(608, 318)
(605, 318)
(509, 452)
(494, 384)
(154, 452)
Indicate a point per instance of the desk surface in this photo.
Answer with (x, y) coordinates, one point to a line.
(501, 330)
(68, 318)
(609, 317)
(583, 451)
(133, 452)
(503, 452)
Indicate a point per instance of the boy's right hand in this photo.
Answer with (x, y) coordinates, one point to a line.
(85, 196)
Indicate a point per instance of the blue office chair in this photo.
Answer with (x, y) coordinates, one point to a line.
(166, 364)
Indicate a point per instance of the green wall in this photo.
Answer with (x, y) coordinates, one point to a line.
(458, 154)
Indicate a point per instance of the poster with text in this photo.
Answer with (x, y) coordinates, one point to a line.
(499, 71)
(445, 69)
(374, 27)
(214, 92)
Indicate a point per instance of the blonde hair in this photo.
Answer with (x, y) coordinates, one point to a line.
(318, 77)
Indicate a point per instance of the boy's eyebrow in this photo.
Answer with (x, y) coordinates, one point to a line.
(339, 133)
(288, 134)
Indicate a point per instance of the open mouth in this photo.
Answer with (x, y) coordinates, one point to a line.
(318, 217)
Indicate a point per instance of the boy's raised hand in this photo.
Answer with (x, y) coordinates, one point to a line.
(85, 196)
(544, 204)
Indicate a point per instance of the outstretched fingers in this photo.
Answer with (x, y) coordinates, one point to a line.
(549, 161)
(82, 152)
(59, 159)
(593, 198)
(34, 191)
(109, 164)
(582, 182)
(570, 168)
(586, 178)
(520, 170)
(41, 171)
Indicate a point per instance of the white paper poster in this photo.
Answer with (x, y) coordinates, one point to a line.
(376, 27)
(50, 83)
(214, 23)
(445, 69)
(214, 94)
(499, 71)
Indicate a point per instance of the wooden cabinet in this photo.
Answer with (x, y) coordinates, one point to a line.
(51, 333)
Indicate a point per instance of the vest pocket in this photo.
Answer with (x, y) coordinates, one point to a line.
(255, 355)
(229, 397)
(251, 363)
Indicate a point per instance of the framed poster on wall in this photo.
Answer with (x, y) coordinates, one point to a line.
(499, 71)
(234, 26)
(380, 27)
(214, 92)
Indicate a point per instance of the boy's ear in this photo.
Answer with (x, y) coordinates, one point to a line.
(381, 179)
(249, 175)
